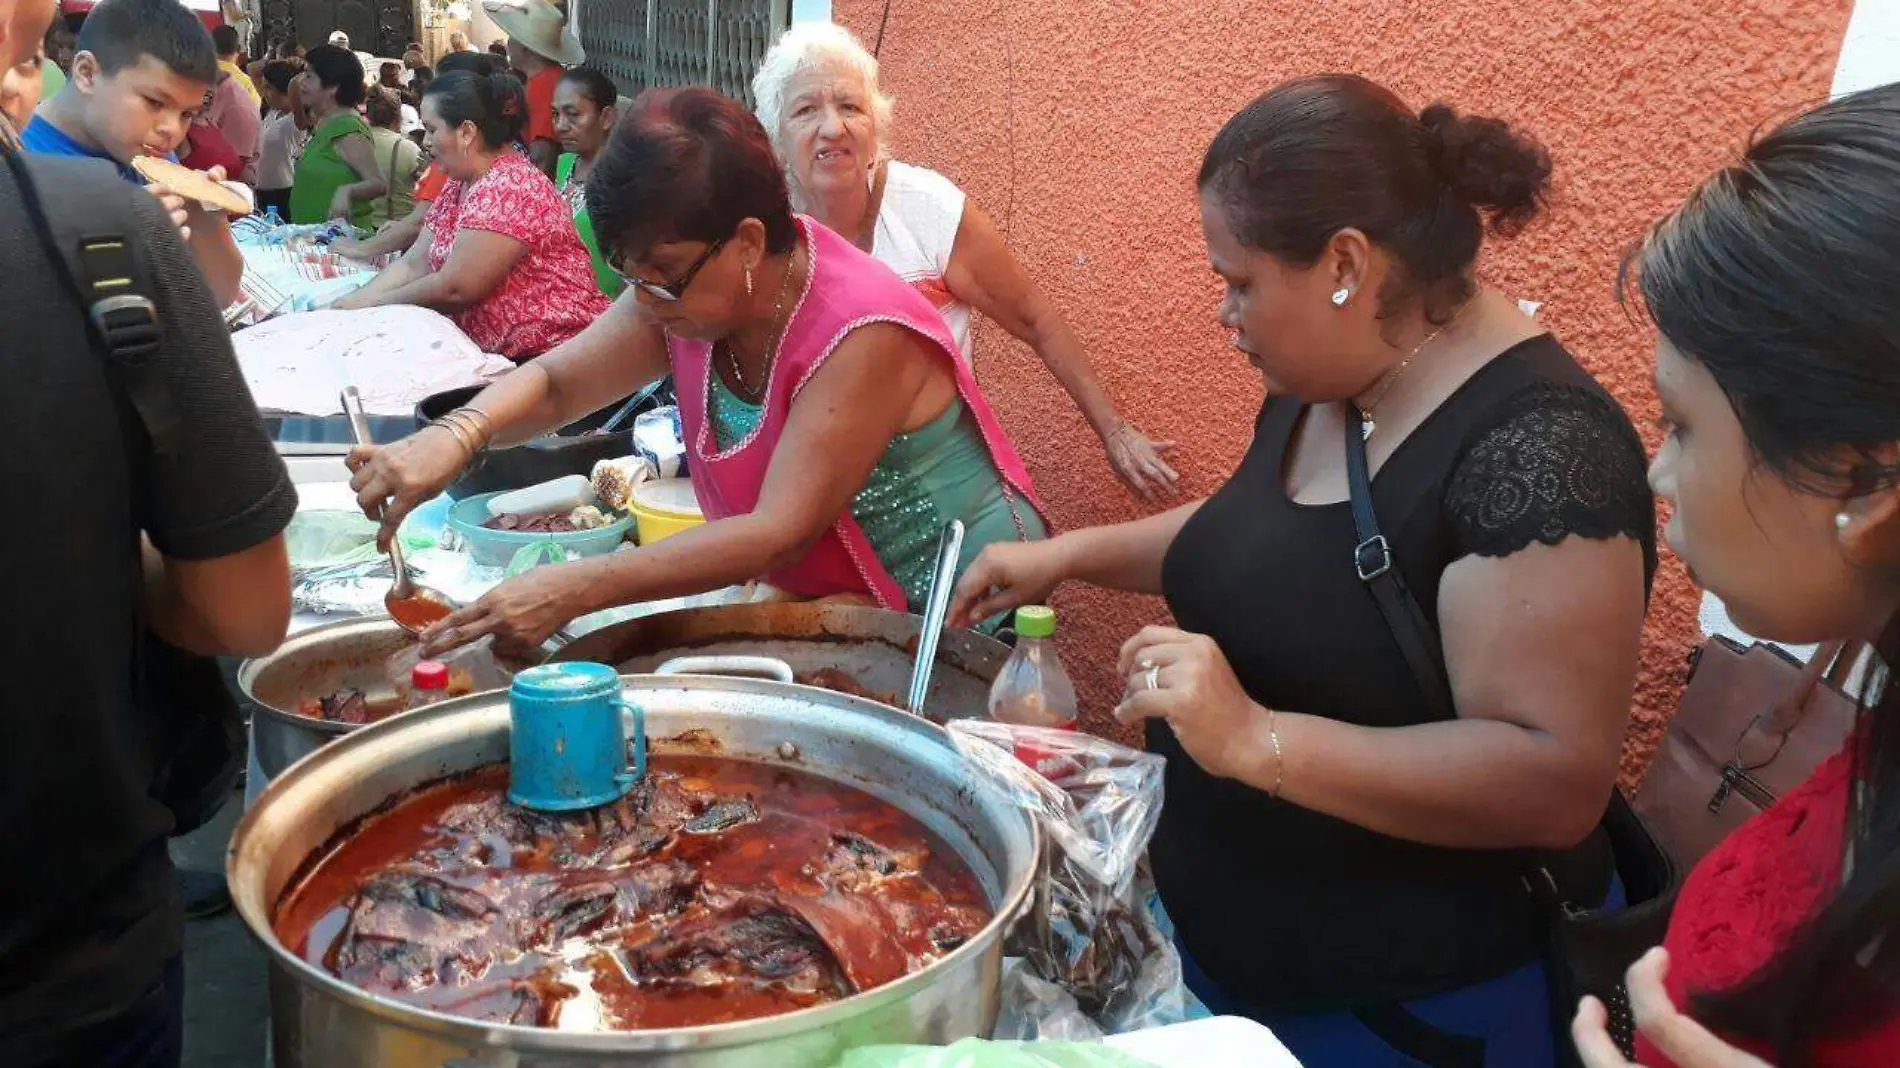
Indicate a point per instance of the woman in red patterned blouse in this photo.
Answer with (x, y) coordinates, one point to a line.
(498, 251)
(1776, 294)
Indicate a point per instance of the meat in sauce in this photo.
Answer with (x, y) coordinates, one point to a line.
(550, 523)
(715, 890)
(839, 682)
(351, 705)
(586, 517)
(345, 706)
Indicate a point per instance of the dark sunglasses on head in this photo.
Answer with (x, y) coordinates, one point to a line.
(673, 289)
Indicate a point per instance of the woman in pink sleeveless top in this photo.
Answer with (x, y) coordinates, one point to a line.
(831, 428)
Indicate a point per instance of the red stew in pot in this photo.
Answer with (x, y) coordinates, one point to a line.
(716, 890)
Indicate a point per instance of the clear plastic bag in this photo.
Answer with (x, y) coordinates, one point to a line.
(976, 1053)
(531, 556)
(1091, 952)
(326, 537)
(657, 437)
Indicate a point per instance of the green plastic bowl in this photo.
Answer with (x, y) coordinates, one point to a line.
(495, 548)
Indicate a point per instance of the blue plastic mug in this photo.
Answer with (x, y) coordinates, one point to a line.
(568, 749)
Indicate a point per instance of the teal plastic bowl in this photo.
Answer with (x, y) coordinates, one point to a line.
(494, 548)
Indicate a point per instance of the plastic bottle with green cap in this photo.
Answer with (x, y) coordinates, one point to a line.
(1032, 690)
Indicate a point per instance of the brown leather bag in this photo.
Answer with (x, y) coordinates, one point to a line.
(1752, 724)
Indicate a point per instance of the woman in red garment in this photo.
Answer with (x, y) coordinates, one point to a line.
(1776, 294)
(498, 252)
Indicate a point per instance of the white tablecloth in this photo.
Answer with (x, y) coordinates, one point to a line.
(1216, 1042)
(395, 356)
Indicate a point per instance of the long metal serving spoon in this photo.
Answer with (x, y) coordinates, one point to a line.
(414, 607)
(943, 582)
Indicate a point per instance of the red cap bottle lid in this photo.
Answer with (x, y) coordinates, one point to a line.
(430, 675)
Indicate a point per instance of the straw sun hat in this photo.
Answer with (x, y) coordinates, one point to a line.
(540, 27)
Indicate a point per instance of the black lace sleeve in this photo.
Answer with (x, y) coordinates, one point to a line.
(1552, 461)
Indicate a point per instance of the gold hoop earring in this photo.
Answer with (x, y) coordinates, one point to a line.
(748, 281)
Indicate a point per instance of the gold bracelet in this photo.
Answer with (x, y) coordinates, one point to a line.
(479, 422)
(453, 432)
(476, 433)
(457, 432)
(457, 419)
(472, 413)
(1279, 756)
(478, 439)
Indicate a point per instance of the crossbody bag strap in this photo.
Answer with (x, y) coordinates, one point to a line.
(1373, 561)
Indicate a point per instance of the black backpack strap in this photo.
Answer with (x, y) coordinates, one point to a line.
(119, 302)
(1373, 561)
(103, 268)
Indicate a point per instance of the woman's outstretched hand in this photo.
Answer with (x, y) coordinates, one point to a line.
(1005, 577)
(520, 614)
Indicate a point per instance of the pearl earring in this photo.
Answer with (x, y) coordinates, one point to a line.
(748, 281)
(1842, 520)
(1340, 295)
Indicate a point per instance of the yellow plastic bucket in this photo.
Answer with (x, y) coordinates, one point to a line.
(663, 508)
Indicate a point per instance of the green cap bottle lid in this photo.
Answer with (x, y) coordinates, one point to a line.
(1036, 621)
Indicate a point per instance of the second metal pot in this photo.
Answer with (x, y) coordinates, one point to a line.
(322, 660)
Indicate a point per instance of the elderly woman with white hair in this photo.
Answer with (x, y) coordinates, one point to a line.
(818, 97)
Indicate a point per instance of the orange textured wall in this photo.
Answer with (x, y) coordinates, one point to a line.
(1079, 127)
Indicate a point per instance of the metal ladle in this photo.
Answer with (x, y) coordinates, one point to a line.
(414, 607)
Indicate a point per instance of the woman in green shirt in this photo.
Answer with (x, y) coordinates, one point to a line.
(584, 113)
(397, 159)
(337, 175)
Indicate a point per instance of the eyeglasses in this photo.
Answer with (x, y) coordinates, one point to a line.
(673, 290)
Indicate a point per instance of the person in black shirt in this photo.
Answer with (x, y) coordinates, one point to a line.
(1341, 863)
(108, 540)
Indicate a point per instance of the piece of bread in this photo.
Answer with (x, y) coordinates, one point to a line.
(192, 185)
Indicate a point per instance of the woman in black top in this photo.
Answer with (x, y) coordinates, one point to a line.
(1341, 863)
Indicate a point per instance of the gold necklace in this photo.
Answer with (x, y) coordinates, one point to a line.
(1366, 423)
(771, 347)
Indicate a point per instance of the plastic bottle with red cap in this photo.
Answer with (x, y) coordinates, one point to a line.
(428, 683)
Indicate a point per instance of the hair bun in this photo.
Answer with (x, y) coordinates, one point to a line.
(1486, 164)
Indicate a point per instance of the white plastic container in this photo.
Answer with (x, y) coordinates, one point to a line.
(563, 494)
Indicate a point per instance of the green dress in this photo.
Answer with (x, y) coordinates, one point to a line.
(397, 160)
(322, 171)
(938, 472)
(604, 276)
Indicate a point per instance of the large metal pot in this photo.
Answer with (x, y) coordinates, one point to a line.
(311, 663)
(318, 1021)
(876, 648)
